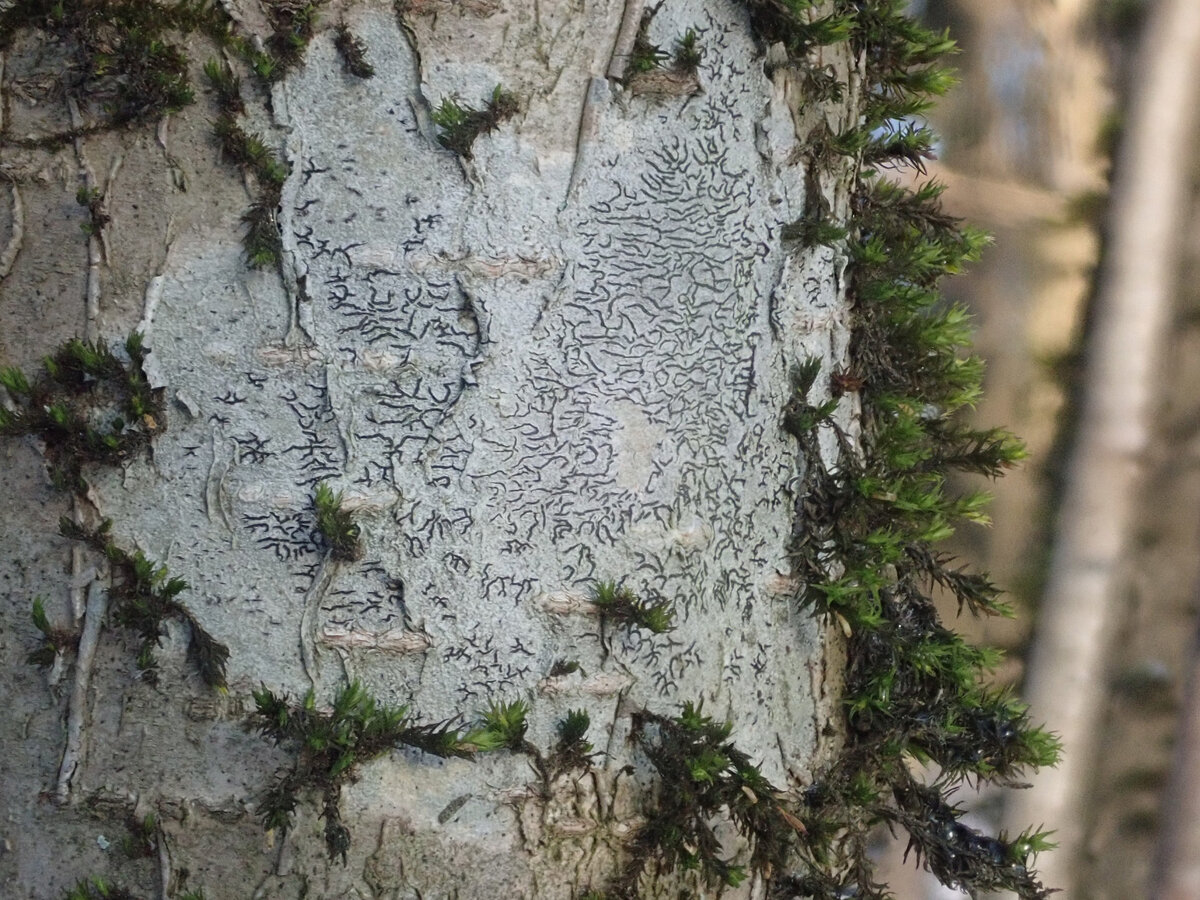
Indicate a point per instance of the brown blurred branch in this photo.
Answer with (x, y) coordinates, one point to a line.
(1177, 869)
(1066, 677)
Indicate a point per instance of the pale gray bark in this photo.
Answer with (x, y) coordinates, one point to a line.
(559, 362)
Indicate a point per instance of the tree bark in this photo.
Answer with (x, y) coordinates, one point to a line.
(557, 361)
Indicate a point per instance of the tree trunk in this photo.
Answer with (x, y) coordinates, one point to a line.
(1065, 682)
(554, 360)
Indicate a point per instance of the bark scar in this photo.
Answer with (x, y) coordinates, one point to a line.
(97, 606)
(16, 234)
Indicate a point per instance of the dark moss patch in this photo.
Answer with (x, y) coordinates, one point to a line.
(87, 407)
(460, 124)
(353, 53)
(144, 597)
(329, 745)
(704, 779)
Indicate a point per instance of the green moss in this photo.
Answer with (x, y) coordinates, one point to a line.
(704, 779)
(128, 70)
(87, 406)
(143, 597)
(688, 55)
(329, 746)
(459, 124)
(645, 56)
(503, 727)
(336, 525)
(865, 549)
(619, 604)
(572, 750)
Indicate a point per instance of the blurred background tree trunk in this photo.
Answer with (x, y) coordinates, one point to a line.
(1048, 91)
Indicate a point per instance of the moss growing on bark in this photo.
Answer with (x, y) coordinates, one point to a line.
(869, 523)
(144, 597)
(330, 745)
(87, 407)
(459, 124)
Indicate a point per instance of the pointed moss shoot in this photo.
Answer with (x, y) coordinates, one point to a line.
(644, 55)
(503, 727)
(336, 525)
(56, 640)
(800, 417)
(619, 604)
(330, 745)
(460, 124)
(687, 55)
(143, 597)
(353, 52)
(88, 406)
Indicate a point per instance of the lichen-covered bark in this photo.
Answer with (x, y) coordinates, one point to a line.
(560, 361)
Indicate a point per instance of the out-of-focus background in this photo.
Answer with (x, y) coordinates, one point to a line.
(1033, 139)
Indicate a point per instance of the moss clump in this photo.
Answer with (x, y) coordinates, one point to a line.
(336, 525)
(704, 778)
(87, 406)
(55, 639)
(503, 727)
(572, 749)
(687, 55)
(329, 745)
(293, 24)
(143, 597)
(645, 56)
(869, 524)
(619, 604)
(459, 124)
(262, 242)
(126, 69)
